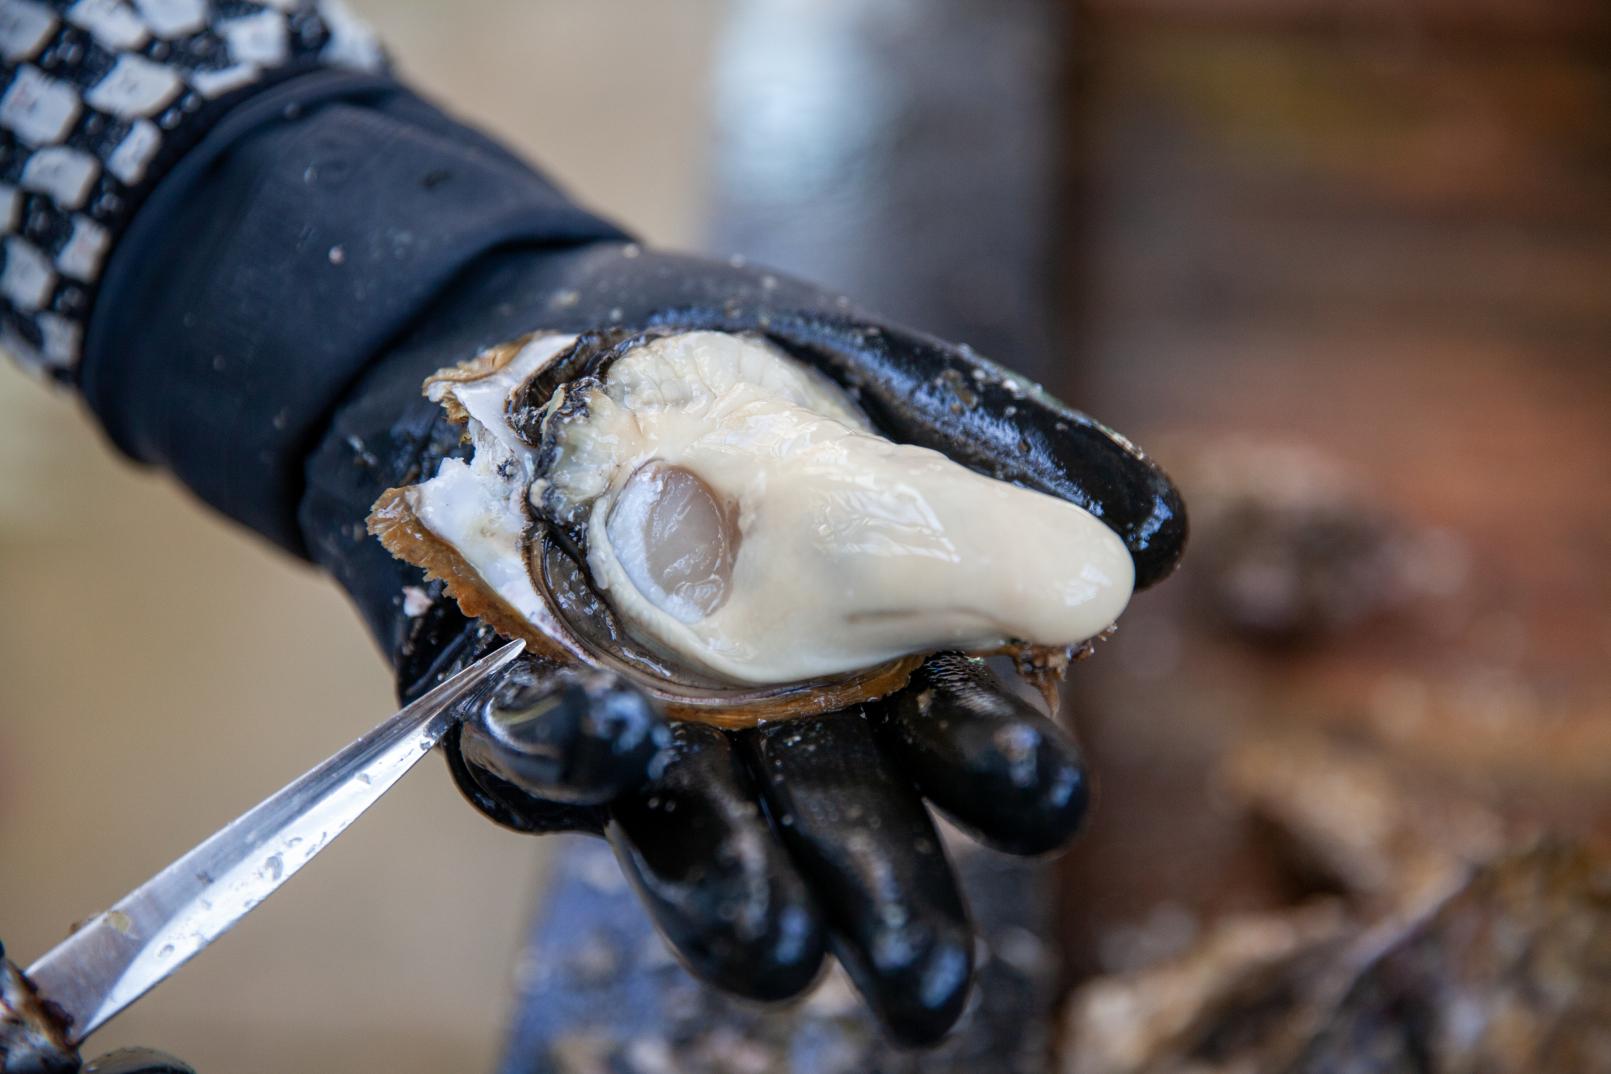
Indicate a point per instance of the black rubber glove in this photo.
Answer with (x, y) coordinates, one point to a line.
(304, 250)
(755, 851)
(262, 328)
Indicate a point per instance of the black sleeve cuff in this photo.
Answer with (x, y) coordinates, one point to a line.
(308, 230)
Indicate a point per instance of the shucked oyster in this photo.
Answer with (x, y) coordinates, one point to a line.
(721, 523)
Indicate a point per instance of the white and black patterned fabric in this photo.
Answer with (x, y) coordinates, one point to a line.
(96, 98)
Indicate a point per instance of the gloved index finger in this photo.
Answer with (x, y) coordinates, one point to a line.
(575, 735)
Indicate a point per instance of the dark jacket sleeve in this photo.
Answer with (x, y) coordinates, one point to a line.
(277, 237)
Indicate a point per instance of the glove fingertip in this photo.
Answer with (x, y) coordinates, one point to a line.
(985, 757)
(509, 806)
(714, 877)
(917, 994)
(578, 736)
(1159, 541)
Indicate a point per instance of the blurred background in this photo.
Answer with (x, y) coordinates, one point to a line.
(1343, 266)
(164, 670)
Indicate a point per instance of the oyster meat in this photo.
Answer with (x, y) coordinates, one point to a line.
(721, 522)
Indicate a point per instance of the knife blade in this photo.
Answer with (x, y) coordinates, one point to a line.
(122, 953)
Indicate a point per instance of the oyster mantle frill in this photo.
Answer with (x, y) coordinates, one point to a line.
(720, 522)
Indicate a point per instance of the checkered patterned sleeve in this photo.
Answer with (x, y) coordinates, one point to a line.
(97, 97)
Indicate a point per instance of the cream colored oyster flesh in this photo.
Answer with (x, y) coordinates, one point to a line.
(742, 518)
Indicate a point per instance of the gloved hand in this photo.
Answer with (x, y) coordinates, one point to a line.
(32, 1042)
(754, 851)
(329, 241)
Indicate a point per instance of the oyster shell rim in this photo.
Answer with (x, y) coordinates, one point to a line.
(400, 531)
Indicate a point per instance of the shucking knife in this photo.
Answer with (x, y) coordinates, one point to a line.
(117, 956)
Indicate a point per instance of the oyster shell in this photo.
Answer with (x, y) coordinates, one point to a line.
(721, 523)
